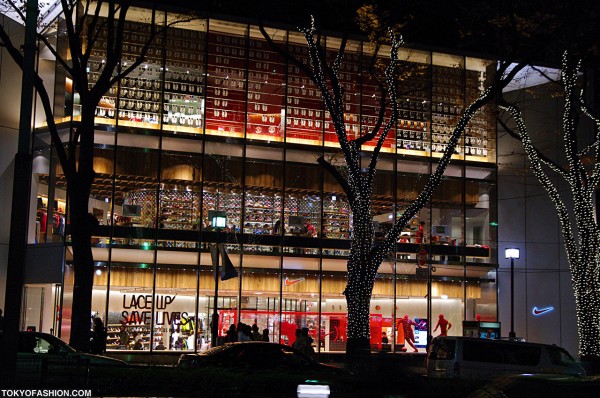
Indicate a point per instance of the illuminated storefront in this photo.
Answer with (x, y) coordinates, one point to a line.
(217, 120)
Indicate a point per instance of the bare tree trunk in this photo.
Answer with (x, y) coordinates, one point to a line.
(83, 263)
(81, 228)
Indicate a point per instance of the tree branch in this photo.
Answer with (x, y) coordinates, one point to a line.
(553, 165)
(501, 80)
(338, 177)
(333, 72)
(595, 175)
(383, 88)
(58, 57)
(390, 71)
(16, 9)
(74, 46)
(544, 74)
(92, 32)
(570, 122)
(285, 54)
(553, 193)
(380, 118)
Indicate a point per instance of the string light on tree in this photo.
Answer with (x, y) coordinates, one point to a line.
(582, 243)
(365, 257)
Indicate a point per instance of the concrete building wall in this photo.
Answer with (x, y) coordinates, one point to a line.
(528, 221)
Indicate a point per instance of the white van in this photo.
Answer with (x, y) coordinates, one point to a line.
(468, 357)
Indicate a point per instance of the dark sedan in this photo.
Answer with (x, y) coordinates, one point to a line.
(271, 369)
(255, 354)
(44, 358)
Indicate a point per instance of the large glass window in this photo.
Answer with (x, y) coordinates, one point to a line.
(184, 76)
(263, 197)
(222, 192)
(333, 326)
(265, 112)
(302, 203)
(305, 115)
(178, 201)
(135, 208)
(226, 79)
(177, 325)
(130, 304)
(218, 121)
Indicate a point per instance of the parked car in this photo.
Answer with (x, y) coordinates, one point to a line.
(256, 354)
(44, 358)
(466, 357)
(295, 374)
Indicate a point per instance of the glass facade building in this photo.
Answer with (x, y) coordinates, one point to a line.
(215, 119)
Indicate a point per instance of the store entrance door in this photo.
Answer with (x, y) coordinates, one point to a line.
(41, 306)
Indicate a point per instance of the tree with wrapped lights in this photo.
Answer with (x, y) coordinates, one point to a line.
(88, 27)
(357, 181)
(578, 222)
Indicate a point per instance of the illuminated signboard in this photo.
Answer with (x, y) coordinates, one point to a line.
(541, 311)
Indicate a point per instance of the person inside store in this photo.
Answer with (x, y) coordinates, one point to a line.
(421, 233)
(309, 350)
(299, 344)
(137, 341)
(277, 228)
(98, 337)
(384, 339)
(306, 336)
(244, 332)
(302, 344)
(180, 344)
(409, 336)
(123, 337)
(160, 345)
(265, 335)
(256, 336)
(311, 231)
(231, 336)
(444, 325)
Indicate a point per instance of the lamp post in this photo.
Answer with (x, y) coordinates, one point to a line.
(513, 254)
(219, 221)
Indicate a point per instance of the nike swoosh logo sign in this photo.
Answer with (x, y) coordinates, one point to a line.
(539, 311)
(290, 282)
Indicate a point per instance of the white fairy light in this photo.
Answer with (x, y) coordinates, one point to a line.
(365, 258)
(582, 244)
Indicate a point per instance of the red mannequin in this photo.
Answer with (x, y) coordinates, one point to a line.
(444, 326)
(409, 336)
(310, 229)
(421, 233)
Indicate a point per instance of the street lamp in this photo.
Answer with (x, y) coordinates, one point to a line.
(513, 254)
(219, 221)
